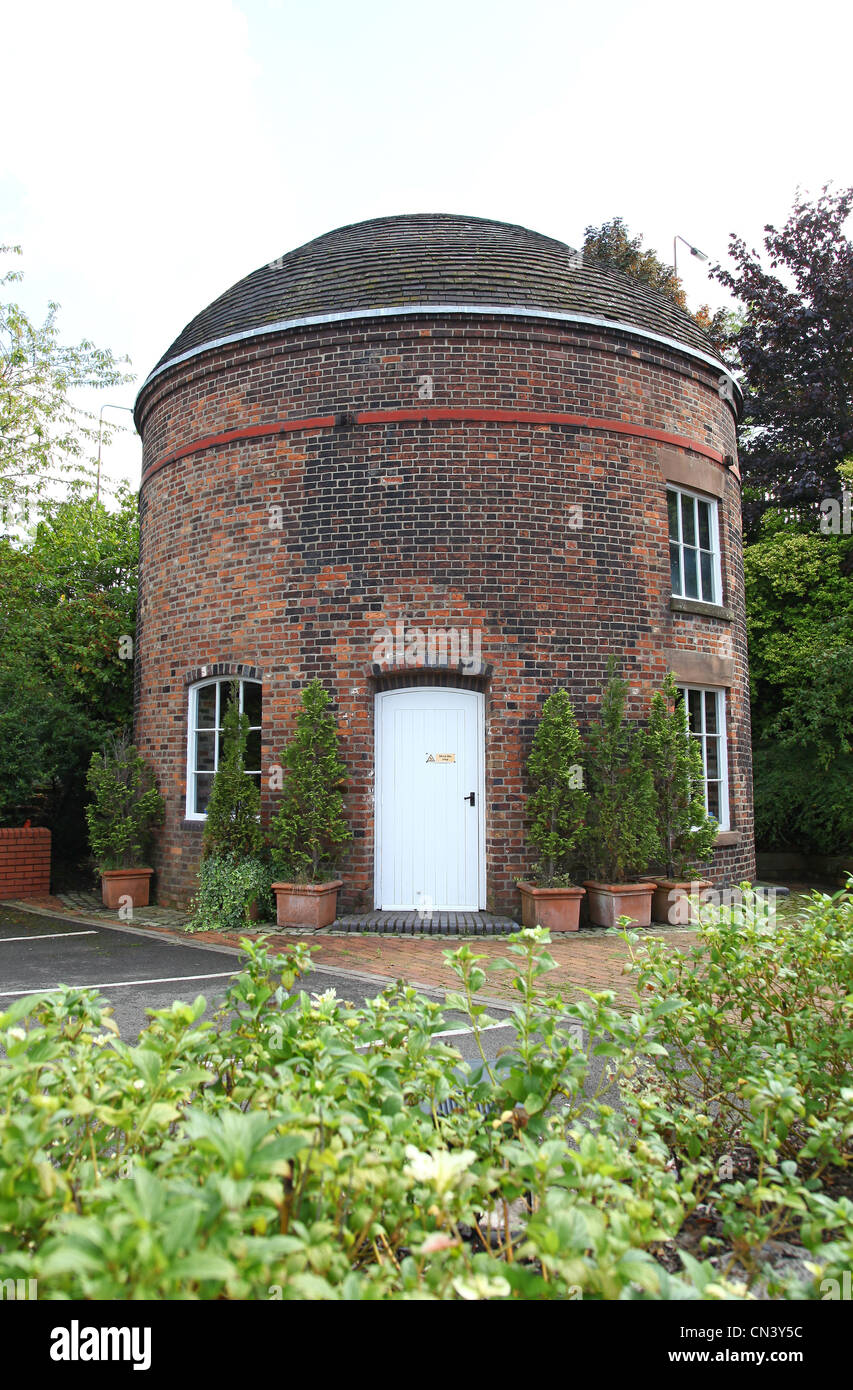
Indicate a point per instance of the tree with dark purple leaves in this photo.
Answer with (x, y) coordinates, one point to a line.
(795, 346)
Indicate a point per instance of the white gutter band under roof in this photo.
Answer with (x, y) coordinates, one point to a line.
(394, 311)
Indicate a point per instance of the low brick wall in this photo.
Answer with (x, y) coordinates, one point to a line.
(24, 862)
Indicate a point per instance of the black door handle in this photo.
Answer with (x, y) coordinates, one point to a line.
(469, 797)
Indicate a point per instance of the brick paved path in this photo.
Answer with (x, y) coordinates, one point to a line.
(591, 961)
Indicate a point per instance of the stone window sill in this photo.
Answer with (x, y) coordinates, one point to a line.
(705, 610)
(727, 837)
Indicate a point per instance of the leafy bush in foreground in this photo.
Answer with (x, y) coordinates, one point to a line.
(758, 1061)
(296, 1146)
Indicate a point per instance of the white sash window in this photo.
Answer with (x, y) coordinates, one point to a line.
(694, 545)
(706, 717)
(208, 702)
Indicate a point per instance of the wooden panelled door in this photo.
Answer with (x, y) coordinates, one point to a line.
(430, 822)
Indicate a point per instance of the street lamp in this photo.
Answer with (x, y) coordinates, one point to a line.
(694, 251)
(100, 426)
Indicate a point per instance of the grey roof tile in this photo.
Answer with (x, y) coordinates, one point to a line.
(433, 258)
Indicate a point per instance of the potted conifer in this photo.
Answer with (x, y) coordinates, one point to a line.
(124, 809)
(233, 879)
(686, 833)
(621, 834)
(556, 811)
(308, 830)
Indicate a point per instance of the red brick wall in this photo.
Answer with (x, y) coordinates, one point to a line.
(453, 523)
(24, 862)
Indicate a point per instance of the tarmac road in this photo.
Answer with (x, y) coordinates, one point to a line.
(139, 970)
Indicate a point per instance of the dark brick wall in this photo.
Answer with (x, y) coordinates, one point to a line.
(455, 523)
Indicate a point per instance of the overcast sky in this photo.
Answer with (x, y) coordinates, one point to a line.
(154, 153)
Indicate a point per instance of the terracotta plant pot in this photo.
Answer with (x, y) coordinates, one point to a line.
(306, 904)
(134, 884)
(607, 902)
(558, 909)
(672, 904)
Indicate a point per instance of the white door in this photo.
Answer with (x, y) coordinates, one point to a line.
(430, 825)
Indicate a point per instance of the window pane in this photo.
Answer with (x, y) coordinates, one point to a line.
(206, 707)
(705, 525)
(711, 712)
(672, 512)
(675, 568)
(203, 784)
(691, 577)
(712, 751)
(225, 693)
(252, 703)
(204, 752)
(694, 710)
(253, 751)
(707, 576)
(681, 705)
(688, 520)
(714, 799)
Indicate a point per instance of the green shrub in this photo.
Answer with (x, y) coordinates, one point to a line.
(227, 888)
(556, 807)
(308, 830)
(125, 805)
(233, 825)
(799, 607)
(685, 831)
(293, 1147)
(757, 1060)
(800, 805)
(621, 835)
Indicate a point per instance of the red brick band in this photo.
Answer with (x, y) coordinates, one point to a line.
(436, 415)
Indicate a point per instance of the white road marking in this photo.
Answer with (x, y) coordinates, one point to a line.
(45, 936)
(455, 1032)
(119, 984)
(449, 1033)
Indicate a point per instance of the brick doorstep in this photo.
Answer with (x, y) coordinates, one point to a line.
(585, 961)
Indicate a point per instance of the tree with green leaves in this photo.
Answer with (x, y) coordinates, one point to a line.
(686, 833)
(612, 246)
(67, 616)
(621, 835)
(125, 805)
(46, 440)
(799, 606)
(233, 825)
(308, 831)
(556, 808)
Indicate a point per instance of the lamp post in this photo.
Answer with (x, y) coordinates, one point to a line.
(100, 427)
(694, 251)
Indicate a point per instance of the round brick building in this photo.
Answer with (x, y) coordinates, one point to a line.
(444, 465)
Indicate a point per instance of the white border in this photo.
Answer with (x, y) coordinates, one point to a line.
(400, 311)
(481, 790)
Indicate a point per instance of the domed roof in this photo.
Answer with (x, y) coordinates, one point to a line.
(432, 259)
